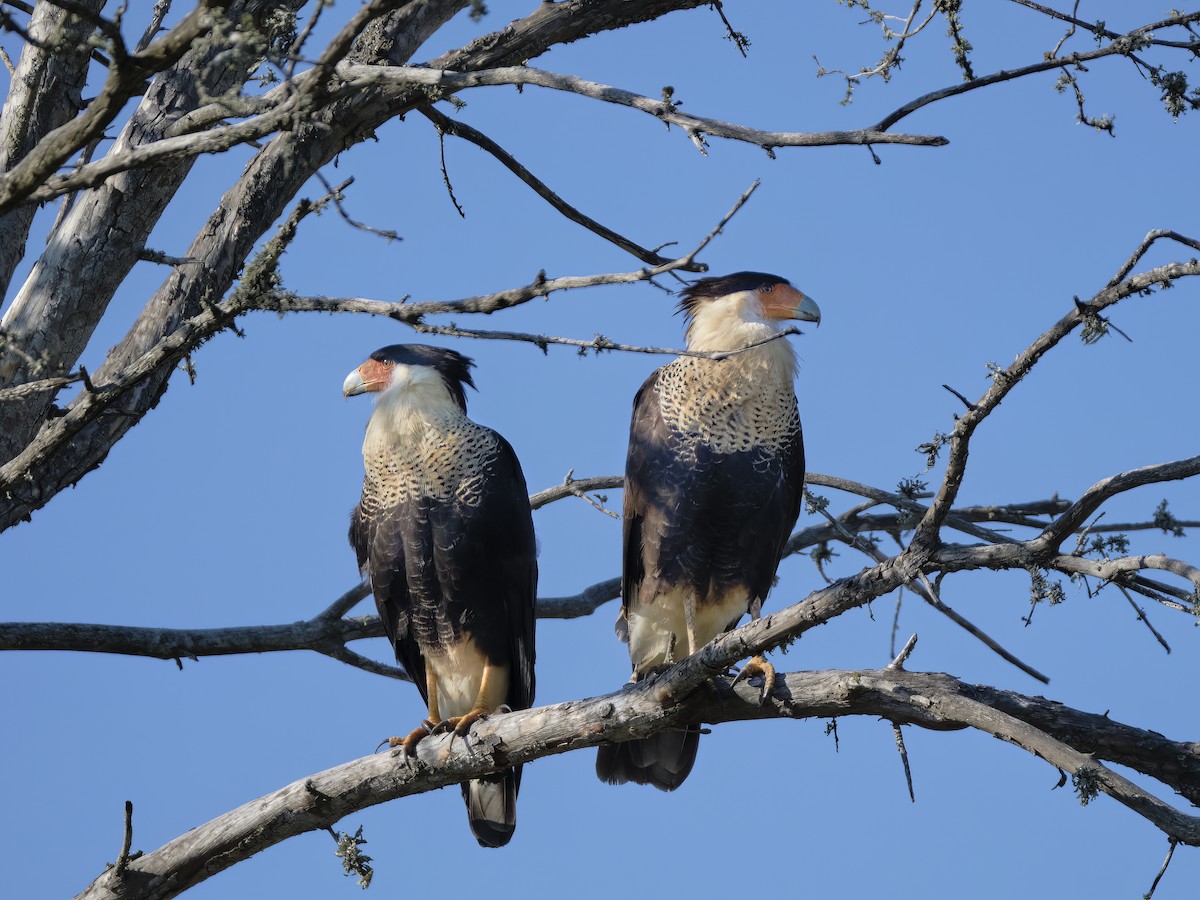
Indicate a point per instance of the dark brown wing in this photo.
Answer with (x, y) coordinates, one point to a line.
(378, 545)
(442, 569)
(780, 518)
(496, 558)
(702, 518)
(646, 436)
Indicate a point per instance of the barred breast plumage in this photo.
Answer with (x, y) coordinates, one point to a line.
(736, 404)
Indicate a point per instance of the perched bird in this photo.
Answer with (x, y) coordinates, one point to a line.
(444, 534)
(713, 482)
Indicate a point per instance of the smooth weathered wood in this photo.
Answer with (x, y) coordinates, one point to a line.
(45, 93)
(937, 701)
(103, 234)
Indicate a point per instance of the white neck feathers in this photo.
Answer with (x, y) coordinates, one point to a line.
(735, 321)
(416, 398)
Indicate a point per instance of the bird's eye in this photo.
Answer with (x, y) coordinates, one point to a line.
(766, 289)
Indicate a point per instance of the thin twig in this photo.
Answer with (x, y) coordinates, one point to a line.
(903, 655)
(571, 485)
(336, 195)
(1097, 29)
(599, 343)
(157, 15)
(297, 47)
(446, 172)
(1144, 246)
(965, 402)
(1141, 614)
(937, 603)
(345, 603)
(356, 77)
(923, 589)
(445, 125)
(541, 286)
(739, 40)
(1004, 380)
(358, 661)
(127, 841)
(896, 621)
(1120, 46)
(904, 759)
(1172, 843)
(1070, 31)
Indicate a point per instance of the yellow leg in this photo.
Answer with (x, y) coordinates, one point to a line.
(410, 741)
(431, 691)
(493, 688)
(758, 665)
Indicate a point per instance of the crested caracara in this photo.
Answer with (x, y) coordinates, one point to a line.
(445, 537)
(713, 483)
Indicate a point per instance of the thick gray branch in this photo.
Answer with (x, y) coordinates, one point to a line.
(936, 701)
(102, 235)
(126, 79)
(259, 198)
(46, 91)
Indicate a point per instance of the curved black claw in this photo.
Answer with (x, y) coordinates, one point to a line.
(409, 743)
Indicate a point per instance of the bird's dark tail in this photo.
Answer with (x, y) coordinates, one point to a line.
(492, 806)
(662, 760)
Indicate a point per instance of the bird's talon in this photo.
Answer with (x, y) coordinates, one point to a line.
(409, 743)
(462, 724)
(758, 667)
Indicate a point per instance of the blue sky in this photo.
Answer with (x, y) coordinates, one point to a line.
(229, 503)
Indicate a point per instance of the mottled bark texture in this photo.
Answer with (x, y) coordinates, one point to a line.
(184, 91)
(46, 91)
(221, 248)
(929, 700)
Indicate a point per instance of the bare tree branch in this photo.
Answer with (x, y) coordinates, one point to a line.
(1071, 520)
(1004, 380)
(46, 88)
(125, 80)
(1121, 45)
(446, 125)
(318, 801)
(665, 110)
(599, 344)
(329, 633)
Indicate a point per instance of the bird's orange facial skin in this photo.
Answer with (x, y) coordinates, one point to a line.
(779, 301)
(375, 375)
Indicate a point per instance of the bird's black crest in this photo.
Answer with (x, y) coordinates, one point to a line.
(711, 288)
(454, 368)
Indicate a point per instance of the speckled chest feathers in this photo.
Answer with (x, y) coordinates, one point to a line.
(745, 402)
(410, 453)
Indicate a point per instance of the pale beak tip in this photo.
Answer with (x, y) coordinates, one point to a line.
(808, 311)
(353, 384)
